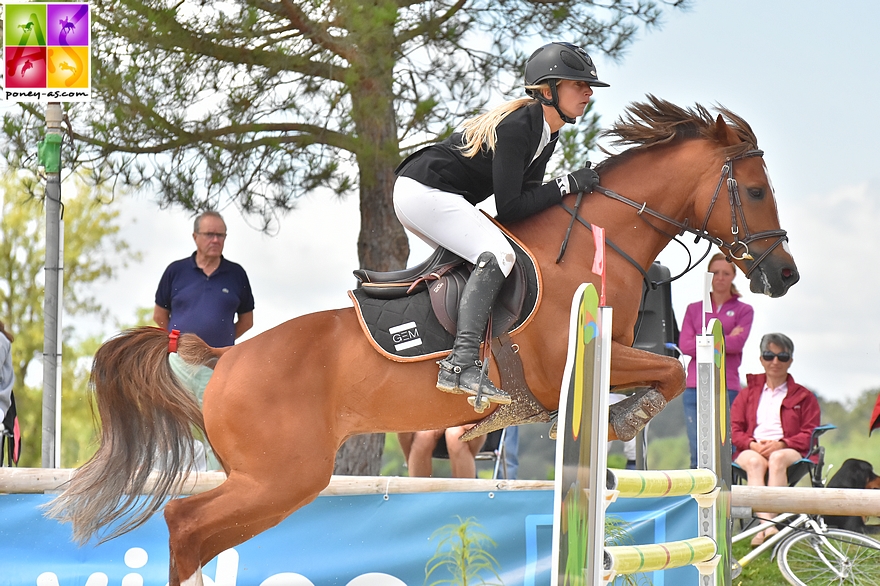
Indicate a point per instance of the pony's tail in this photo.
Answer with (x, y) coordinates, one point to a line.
(147, 417)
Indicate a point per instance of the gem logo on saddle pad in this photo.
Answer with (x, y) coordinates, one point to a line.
(405, 336)
(402, 329)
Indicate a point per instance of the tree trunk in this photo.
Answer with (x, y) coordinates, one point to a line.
(382, 241)
(361, 455)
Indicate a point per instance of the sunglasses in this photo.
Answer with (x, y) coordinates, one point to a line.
(782, 356)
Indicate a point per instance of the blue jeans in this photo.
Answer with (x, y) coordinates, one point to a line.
(511, 451)
(689, 400)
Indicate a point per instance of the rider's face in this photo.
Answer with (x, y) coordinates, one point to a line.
(574, 96)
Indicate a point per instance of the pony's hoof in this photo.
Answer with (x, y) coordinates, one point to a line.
(631, 415)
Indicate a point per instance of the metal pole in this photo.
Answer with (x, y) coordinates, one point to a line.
(59, 432)
(50, 158)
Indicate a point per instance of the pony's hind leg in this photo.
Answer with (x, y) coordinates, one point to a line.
(202, 526)
(661, 378)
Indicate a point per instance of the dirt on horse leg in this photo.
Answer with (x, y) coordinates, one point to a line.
(200, 527)
(658, 379)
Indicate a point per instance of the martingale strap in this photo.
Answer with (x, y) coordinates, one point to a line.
(611, 245)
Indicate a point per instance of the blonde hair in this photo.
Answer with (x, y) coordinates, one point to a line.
(479, 131)
(721, 256)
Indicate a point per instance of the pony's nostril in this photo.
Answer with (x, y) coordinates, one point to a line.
(787, 273)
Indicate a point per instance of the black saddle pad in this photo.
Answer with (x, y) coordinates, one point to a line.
(407, 329)
(403, 329)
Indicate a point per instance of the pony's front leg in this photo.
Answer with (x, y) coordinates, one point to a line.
(658, 379)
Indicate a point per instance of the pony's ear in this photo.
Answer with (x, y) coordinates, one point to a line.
(724, 134)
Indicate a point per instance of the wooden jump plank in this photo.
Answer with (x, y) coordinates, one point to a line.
(813, 501)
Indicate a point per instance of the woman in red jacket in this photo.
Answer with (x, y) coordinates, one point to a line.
(772, 420)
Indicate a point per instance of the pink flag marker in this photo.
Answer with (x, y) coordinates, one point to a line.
(599, 258)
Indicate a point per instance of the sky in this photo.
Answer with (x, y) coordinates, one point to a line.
(802, 73)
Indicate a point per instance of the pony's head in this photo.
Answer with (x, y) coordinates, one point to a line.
(736, 207)
(758, 245)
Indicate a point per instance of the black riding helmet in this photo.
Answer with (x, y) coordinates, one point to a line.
(557, 61)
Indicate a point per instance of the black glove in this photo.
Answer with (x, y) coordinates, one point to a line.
(584, 180)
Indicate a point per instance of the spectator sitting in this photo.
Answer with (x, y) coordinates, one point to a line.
(772, 420)
(462, 455)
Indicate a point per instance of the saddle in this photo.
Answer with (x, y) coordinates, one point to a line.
(411, 314)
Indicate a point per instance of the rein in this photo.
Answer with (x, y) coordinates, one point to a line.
(737, 223)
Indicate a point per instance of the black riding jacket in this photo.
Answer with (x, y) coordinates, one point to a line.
(508, 172)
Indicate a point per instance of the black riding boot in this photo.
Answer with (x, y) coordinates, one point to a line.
(460, 372)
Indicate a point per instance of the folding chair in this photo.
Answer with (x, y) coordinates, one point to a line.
(10, 437)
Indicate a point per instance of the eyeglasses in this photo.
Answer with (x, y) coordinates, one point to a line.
(782, 356)
(212, 235)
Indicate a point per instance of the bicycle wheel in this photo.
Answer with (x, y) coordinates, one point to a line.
(834, 557)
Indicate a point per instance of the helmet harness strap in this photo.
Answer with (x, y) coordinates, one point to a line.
(554, 101)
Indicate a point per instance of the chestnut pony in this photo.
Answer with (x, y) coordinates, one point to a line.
(279, 405)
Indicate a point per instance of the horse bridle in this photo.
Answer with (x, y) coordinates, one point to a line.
(739, 228)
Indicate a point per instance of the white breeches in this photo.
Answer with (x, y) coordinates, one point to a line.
(440, 218)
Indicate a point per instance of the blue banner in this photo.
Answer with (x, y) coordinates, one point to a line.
(366, 540)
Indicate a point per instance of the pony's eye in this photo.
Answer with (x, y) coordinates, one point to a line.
(756, 192)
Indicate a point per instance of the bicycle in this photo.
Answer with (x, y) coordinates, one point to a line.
(811, 554)
(807, 551)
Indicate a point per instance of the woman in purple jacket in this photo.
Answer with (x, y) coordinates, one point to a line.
(772, 420)
(736, 323)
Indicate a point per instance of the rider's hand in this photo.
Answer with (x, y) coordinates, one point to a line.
(584, 180)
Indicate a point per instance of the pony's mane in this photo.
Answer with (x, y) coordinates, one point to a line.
(658, 122)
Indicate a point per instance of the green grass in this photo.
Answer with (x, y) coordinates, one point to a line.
(669, 453)
(762, 571)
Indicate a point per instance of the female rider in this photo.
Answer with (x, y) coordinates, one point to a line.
(503, 152)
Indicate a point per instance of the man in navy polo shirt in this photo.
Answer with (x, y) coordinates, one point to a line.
(203, 293)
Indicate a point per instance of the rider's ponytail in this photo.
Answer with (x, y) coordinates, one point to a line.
(479, 132)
